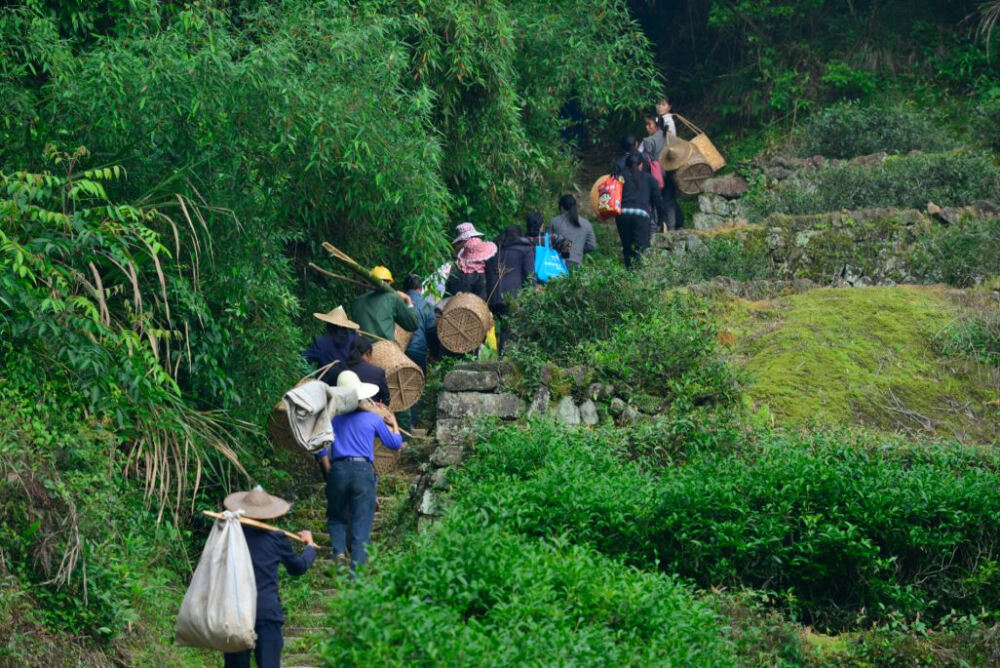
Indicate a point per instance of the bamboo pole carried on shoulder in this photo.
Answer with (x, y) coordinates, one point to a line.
(256, 524)
(365, 275)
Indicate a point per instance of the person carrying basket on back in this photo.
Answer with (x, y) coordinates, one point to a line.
(350, 481)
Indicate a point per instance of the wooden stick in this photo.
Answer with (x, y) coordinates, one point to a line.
(343, 278)
(374, 336)
(254, 523)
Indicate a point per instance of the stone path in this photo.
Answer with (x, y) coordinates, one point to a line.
(306, 625)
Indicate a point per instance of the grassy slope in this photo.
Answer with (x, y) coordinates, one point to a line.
(865, 354)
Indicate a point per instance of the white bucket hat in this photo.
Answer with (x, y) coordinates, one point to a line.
(350, 380)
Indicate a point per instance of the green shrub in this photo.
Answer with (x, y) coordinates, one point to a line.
(668, 353)
(469, 595)
(845, 533)
(961, 255)
(585, 306)
(948, 179)
(844, 530)
(848, 129)
(986, 123)
(717, 256)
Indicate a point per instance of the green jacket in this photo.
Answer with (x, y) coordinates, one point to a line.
(377, 312)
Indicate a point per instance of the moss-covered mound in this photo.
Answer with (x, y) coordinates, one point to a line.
(868, 355)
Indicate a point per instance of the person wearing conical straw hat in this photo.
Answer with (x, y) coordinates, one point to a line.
(350, 481)
(334, 347)
(378, 312)
(268, 550)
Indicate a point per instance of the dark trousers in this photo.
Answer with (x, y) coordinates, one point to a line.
(267, 652)
(350, 508)
(634, 233)
(675, 216)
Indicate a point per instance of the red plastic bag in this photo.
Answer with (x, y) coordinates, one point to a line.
(609, 198)
(657, 171)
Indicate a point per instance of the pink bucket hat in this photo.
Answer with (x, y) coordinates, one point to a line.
(465, 232)
(477, 250)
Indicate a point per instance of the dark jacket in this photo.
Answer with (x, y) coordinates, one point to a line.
(325, 350)
(379, 312)
(268, 549)
(418, 346)
(643, 193)
(476, 283)
(514, 267)
(618, 168)
(369, 373)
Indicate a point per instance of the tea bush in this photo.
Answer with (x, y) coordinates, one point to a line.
(585, 306)
(849, 129)
(668, 353)
(474, 595)
(843, 529)
(948, 179)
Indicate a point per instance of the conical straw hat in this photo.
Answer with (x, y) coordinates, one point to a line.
(675, 154)
(257, 504)
(338, 316)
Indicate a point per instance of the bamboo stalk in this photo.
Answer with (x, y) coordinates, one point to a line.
(255, 523)
(348, 262)
(338, 276)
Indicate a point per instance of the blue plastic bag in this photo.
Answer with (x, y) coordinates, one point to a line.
(548, 264)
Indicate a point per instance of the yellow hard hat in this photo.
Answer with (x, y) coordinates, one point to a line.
(382, 273)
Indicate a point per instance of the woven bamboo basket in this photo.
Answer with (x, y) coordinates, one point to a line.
(403, 375)
(277, 422)
(464, 323)
(704, 146)
(403, 337)
(691, 176)
(385, 460)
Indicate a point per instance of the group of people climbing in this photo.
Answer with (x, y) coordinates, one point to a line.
(648, 200)
(494, 271)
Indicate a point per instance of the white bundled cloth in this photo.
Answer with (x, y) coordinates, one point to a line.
(220, 607)
(312, 406)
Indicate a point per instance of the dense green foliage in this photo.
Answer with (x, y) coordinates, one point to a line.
(749, 62)
(947, 179)
(848, 129)
(469, 595)
(842, 529)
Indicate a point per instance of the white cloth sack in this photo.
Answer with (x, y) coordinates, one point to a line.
(312, 406)
(220, 606)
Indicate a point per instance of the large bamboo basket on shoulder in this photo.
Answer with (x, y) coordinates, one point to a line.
(704, 145)
(384, 459)
(464, 324)
(693, 174)
(403, 375)
(403, 337)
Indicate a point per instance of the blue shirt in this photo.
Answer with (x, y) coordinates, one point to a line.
(354, 435)
(417, 349)
(268, 549)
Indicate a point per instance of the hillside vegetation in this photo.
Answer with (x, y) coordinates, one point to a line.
(795, 457)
